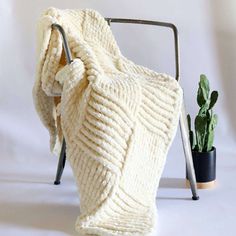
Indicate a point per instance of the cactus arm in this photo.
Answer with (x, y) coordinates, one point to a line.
(204, 84)
(189, 121)
(210, 140)
(212, 125)
(203, 90)
(204, 108)
(191, 134)
(200, 97)
(213, 99)
(200, 130)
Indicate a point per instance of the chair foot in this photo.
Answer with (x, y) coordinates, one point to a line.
(195, 198)
(57, 182)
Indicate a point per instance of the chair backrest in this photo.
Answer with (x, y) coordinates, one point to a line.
(67, 50)
(155, 23)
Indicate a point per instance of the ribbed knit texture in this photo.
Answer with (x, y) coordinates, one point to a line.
(118, 120)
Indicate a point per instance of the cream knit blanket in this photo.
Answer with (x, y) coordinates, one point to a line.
(118, 120)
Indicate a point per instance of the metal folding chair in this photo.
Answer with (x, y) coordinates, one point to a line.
(183, 121)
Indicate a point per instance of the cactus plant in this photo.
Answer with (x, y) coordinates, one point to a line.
(205, 121)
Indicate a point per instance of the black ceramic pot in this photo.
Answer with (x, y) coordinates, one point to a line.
(205, 167)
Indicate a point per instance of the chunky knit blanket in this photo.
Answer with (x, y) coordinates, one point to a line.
(118, 120)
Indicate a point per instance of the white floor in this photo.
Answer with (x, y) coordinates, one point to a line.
(31, 205)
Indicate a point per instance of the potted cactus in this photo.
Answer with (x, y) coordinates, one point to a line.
(203, 151)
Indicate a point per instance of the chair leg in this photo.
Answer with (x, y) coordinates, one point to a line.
(188, 153)
(61, 163)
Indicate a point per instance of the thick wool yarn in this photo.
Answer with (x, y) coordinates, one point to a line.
(118, 120)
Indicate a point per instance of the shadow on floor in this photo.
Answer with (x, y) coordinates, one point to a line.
(172, 183)
(25, 178)
(55, 217)
(24, 181)
(175, 198)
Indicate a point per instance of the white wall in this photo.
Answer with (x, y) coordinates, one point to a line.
(207, 31)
